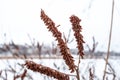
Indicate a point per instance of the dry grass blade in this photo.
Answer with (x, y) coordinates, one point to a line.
(46, 70)
(65, 52)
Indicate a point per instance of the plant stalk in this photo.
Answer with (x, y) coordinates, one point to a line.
(109, 43)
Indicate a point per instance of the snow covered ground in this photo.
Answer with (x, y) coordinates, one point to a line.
(96, 65)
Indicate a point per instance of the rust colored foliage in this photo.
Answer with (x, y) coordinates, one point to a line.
(77, 29)
(65, 52)
(46, 70)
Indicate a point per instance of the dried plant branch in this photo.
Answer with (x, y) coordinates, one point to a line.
(114, 76)
(3, 77)
(112, 71)
(32, 40)
(39, 47)
(83, 78)
(46, 70)
(109, 42)
(0, 72)
(65, 52)
(94, 46)
(22, 76)
(6, 75)
(11, 68)
(54, 48)
(91, 75)
(77, 29)
(78, 74)
(77, 69)
(67, 39)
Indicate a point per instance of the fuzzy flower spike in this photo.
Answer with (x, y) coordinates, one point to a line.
(77, 29)
(65, 52)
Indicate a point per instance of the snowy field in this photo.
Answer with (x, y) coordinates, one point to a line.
(11, 67)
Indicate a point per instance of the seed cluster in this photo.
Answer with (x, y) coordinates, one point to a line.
(65, 52)
(46, 70)
(77, 29)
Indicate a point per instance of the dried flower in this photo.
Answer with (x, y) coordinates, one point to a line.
(46, 70)
(65, 52)
(77, 29)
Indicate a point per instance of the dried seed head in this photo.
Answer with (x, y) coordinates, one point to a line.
(77, 29)
(46, 70)
(65, 52)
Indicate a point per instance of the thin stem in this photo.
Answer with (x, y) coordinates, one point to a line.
(77, 70)
(79, 61)
(109, 43)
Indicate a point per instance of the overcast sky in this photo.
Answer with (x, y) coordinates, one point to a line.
(18, 18)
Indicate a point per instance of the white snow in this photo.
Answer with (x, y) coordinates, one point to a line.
(96, 65)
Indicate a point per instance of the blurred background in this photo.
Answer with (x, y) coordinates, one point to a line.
(20, 22)
(23, 36)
